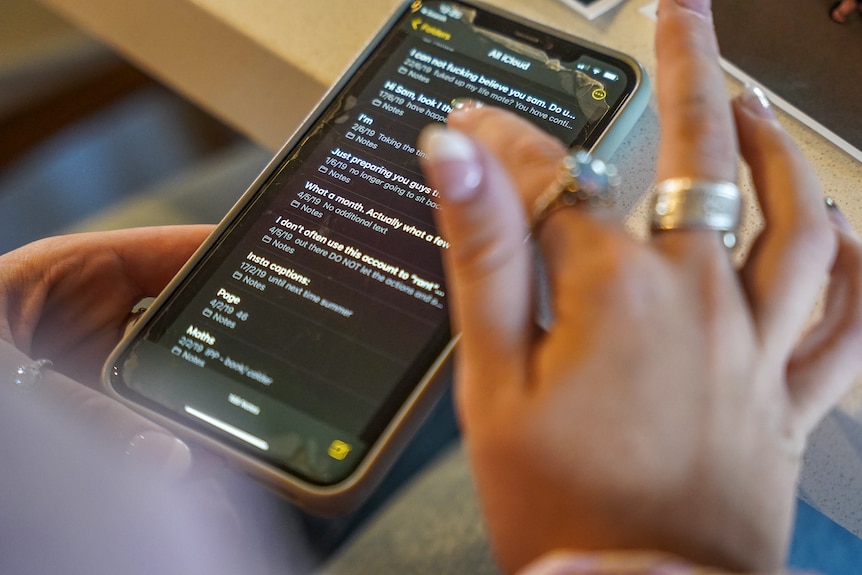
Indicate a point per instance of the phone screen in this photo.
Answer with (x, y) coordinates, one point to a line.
(306, 326)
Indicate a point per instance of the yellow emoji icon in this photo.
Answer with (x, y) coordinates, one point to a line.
(338, 450)
(599, 94)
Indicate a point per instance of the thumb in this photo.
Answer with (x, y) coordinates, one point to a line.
(488, 263)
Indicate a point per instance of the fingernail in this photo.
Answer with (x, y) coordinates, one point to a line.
(466, 104)
(456, 165)
(755, 101)
(160, 453)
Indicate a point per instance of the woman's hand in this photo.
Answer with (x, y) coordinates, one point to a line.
(68, 299)
(669, 405)
(111, 490)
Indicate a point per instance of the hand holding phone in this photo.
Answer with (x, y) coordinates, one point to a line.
(309, 336)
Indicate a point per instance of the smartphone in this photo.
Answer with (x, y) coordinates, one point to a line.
(309, 335)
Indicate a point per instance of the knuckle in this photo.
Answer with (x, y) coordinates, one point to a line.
(611, 272)
(513, 139)
(531, 159)
(529, 155)
(709, 143)
(532, 150)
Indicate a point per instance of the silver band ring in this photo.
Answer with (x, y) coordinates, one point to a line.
(582, 179)
(693, 204)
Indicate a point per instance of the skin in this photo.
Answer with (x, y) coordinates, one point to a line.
(668, 407)
(112, 491)
(69, 299)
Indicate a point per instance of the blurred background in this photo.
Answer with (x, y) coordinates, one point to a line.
(88, 141)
